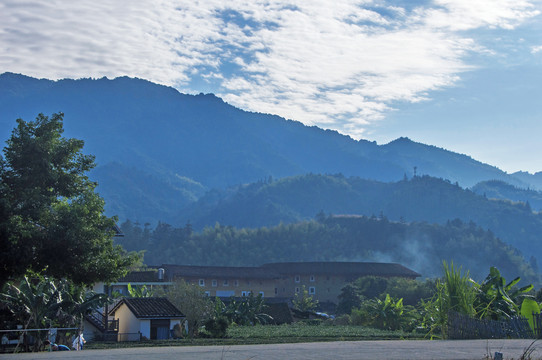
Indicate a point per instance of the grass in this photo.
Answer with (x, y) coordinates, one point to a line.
(273, 334)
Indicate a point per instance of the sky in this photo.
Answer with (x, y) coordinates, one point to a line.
(464, 75)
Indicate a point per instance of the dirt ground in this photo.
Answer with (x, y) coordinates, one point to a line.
(384, 349)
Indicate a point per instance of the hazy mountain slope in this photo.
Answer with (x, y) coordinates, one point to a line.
(128, 190)
(419, 246)
(163, 134)
(500, 190)
(418, 199)
(143, 124)
(533, 181)
(434, 161)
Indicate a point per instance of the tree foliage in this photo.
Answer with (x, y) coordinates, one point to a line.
(419, 246)
(304, 302)
(191, 300)
(42, 302)
(140, 291)
(493, 298)
(51, 220)
(386, 314)
(249, 310)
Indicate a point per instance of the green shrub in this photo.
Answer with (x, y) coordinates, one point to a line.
(217, 327)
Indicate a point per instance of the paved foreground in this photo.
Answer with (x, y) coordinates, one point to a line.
(383, 349)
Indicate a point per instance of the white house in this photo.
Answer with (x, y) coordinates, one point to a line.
(151, 318)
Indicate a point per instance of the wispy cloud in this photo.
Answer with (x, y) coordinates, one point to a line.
(339, 65)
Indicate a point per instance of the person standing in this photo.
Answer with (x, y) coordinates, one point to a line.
(78, 342)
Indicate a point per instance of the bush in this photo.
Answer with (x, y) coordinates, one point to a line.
(218, 327)
(342, 320)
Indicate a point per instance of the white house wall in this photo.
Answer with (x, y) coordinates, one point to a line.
(128, 323)
(89, 331)
(172, 323)
(145, 328)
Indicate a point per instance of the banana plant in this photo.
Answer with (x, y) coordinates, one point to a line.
(248, 311)
(530, 308)
(140, 291)
(496, 299)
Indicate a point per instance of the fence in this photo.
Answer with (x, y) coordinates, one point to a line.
(23, 339)
(129, 337)
(461, 326)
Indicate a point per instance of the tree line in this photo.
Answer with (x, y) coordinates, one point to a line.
(420, 246)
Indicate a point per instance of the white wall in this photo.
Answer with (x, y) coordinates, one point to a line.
(89, 331)
(145, 328)
(128, 323)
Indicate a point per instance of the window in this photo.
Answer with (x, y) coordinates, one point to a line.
(311, 278)
(261, 293)
(207, 293)
(225, 283)
(213, 283)
(201, 282)
(276, 291)
(235, 282)
(245, 293)
(297, 278)
(297, 290)
(312, 290)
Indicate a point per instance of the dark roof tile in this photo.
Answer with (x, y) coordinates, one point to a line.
(150, 308)
(341, 268)
(140, 276)
(220, 272)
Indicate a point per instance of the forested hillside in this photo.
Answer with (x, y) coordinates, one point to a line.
(178, 158)
(421, 198)
(420, 246)
(502, 191)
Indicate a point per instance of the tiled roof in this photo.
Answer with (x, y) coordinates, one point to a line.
(140, 276)
(220, 272)
(150, 308)
(341, 268)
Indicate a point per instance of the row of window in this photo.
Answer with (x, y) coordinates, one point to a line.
(243, 293)
(225, 282)
(214, 282)
(297, 278)
(312, 290)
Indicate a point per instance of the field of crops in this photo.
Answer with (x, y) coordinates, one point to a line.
(323, 332)
(273, 334)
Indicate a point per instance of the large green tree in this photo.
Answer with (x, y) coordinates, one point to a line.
(191, 300)
(51, 219)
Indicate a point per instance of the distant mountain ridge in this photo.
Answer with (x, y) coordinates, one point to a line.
(158, 150)
(419, 199)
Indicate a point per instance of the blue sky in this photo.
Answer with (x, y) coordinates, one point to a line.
(464, 75)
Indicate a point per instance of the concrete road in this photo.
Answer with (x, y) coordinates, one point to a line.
(384, 349)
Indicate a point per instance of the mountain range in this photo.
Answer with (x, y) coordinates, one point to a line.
(167, 157)
(159, 150)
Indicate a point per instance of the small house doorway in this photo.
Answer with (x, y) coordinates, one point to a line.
(160, 329)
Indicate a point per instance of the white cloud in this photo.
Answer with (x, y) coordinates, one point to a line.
(339, 64)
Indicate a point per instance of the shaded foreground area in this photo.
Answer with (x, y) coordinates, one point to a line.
(384, 349)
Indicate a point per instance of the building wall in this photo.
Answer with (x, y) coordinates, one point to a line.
(99, 287)
(174, 322)
(323, 288)
(89, 331)
(145, 328)
(128, 323)
(234, 287)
